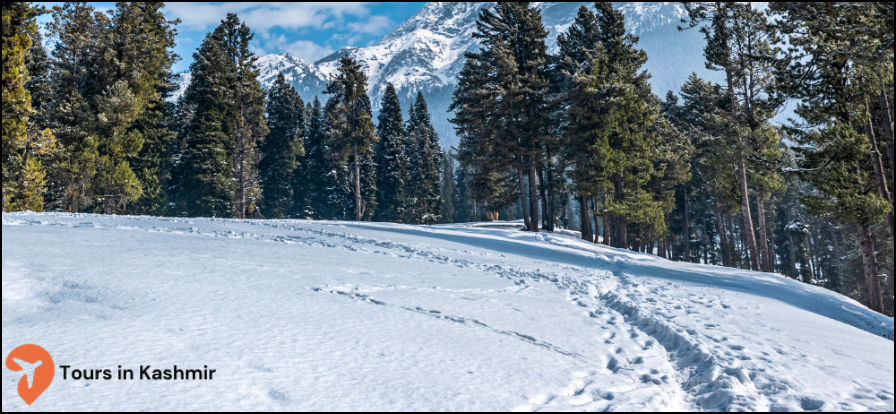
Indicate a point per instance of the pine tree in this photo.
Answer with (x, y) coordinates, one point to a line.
(391, 160)
(824, 70)
(485, 173)
(513, 37)
(308, 180)
(147, 26)
(351, 132)
(23, 174)
(202, 173)
(225, 123)
(286, 121)
(78, 31)
(368, 171)
(336, 188)
(448, 182)
(424, 165)
(248, 127)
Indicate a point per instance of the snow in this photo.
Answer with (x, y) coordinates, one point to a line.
(303, 315)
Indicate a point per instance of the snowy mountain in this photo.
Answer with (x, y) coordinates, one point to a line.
(301, 315)
(425, 53)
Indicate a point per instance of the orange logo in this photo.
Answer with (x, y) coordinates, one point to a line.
(43, 370)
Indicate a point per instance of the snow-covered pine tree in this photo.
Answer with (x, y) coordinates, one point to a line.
(391, 160)
(285, 142)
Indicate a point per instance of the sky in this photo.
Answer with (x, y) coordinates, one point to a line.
(308, 31)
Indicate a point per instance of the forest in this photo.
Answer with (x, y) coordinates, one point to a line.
(574, 139)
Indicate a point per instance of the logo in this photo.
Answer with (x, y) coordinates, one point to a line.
(41, 368)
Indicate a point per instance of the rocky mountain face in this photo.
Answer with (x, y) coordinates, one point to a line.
(425, 53)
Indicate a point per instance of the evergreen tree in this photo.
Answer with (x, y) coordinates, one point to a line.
(202, 173)
(146, 24)
(78, 31)
(425, 165)
(486, 175)
(37, 62)
(824, 70)
(133, 72)
(513, 37)
(614, 137)
(308, 180)
(391, 160)
(224, 112)
(351, 131)
(23, 174)
(286, 121)
(248, 126)
(448, 182)
(463, 200)
(368, 172)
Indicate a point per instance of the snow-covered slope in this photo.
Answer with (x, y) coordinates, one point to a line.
(425, 53)
(301, 315)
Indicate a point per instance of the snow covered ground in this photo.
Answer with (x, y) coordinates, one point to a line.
(300, 315)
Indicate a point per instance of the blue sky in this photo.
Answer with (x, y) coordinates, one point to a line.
(306, 30)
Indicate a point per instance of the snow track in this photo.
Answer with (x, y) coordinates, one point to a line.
(300, 315)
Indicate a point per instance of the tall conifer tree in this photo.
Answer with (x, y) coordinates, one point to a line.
(391, 160)
(351, 132)
(284, 143)
(23, 147)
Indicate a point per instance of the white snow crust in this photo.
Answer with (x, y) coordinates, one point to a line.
(304, 315)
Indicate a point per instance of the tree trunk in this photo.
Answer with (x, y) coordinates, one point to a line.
(724, 248)
(879, 169)
(620, 223)
(523, 199)
(661, 248)
(595, 214)
(609, 229)
(791, 246)
(4, 200)
(748, 218)
(763, 233)
(870, 268)
(585, 219)
(357, 185)
(836, 244)
(550, 200)
(887, 123)
(107, 205)
(686, 225)
(533, 197)
(543, 197)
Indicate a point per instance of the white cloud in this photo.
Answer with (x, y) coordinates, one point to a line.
(310, 51)
(373, 25)
(263, 16)
(302, 49)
